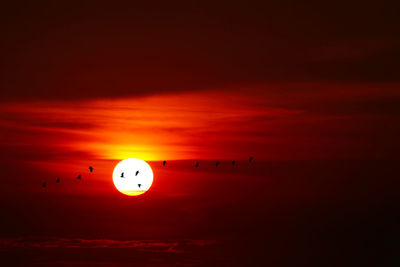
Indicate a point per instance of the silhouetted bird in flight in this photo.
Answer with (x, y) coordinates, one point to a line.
(216, 164)
(79, 177)
(90, 168)
(164, 162)
(197, 164)
(122, 175)
(250, 159)
(58, 180)
(137, 172)
(139, 185)
(44, 185)
(233, 162)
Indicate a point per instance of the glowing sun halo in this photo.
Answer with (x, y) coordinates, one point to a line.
(132, 177)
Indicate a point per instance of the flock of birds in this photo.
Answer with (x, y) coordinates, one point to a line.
(79, 177)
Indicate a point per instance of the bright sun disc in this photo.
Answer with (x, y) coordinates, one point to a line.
(132, 177)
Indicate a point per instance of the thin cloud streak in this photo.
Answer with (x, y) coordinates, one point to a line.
(161, 246)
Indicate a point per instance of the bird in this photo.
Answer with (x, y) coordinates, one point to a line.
(139, 185)
(250, 159)
(79, 177)
(233, 162)
(90, 168)
(44, 185)
(164, 162)
(197, 164)
(216, 164)
(122, 175)
(137, 172)
(58, 180)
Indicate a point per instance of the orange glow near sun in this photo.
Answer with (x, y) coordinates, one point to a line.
(197, 125)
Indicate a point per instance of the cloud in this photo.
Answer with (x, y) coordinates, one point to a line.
(269, 121)
(154, 128)
(164, 246)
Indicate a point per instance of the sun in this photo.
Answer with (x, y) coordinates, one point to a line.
(132, 176)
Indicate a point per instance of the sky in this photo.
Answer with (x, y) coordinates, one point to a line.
(310, 90)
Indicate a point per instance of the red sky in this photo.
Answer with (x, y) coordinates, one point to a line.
(310, 90)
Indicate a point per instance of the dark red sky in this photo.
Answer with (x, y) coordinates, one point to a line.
(311, 90)
(84, 50)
